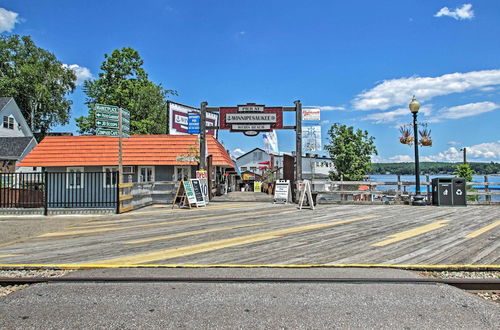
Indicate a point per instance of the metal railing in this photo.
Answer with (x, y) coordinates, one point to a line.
(58, 190)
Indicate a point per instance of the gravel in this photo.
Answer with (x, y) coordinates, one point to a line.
(6, 290)
(488, 295)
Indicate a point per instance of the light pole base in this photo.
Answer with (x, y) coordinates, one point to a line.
(418, 200)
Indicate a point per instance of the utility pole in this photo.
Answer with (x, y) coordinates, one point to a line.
(203, 140)
(465, 155)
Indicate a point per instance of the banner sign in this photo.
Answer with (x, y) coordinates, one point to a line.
(311, 136)
(251, 119)
(179, 123)
(311, 114)
(257, 186)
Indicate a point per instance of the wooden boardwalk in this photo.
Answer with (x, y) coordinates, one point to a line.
(260, 233)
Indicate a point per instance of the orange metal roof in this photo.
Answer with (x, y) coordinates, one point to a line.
(137, 150)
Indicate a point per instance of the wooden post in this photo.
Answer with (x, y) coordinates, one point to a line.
(398, 192)
(487, 189)
(203, 140)
(120, 135)
(298, 144)
(428, 180)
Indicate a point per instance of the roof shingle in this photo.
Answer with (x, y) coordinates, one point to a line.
(137, 150)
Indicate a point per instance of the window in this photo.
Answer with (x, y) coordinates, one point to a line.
(182, 172)
(257, 155)
(243, 168)
(146, 173)
(8, 122)
(253, 169)
(74, 179)
(110, 177)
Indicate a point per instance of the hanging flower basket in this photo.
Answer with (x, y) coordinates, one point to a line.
(425, 137)
(406, 137)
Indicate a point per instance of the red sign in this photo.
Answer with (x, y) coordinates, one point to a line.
(201, 174)
(271, 118)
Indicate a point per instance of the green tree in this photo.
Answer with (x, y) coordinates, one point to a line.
(350, 151)
(123, 82)
(464, 171)
(38, 82)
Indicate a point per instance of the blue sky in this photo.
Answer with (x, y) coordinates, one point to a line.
(359, 61)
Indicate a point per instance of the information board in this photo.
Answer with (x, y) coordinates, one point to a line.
(188, 188)
(282, 192)
(204, 189)
(257, 186)
(195, 183)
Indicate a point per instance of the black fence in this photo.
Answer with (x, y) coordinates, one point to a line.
(59, 190)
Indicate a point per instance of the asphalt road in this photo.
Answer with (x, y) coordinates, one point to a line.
(188, 305)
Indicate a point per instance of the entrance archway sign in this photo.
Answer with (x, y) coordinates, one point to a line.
(252, 119)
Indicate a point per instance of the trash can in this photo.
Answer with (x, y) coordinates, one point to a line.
(448, 191)
(459, 192)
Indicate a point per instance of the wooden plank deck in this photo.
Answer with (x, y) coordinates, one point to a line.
(260, 233)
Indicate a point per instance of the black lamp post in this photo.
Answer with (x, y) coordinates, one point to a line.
(418, 200)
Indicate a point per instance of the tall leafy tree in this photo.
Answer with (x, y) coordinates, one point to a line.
(123, 82)
(37, 80)
(350, 151)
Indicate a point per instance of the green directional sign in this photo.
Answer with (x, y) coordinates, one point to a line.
(107, 131)
(107, 116)
(106, 123)
(125, 113)
(106, 108)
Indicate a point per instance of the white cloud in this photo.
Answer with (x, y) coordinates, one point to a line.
(325, 122)
(7, 20)
(489, 151)
(454, 143)
(392, 159)
(396, 116)
(460, 13)
(237, 152)
(325, 107)
(466, 110)
(398, 92)
(82, 73)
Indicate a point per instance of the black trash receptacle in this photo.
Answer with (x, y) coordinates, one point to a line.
(449, 191)
(459, 192)
(442, 192)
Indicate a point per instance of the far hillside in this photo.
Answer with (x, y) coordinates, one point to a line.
(432, 168)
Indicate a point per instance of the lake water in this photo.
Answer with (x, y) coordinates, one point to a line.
(411, 178)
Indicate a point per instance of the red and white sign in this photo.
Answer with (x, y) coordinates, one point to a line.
(311, 114)
(178, 119)
(201, 174)
(268, 119)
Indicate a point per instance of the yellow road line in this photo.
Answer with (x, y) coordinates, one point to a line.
(9, 255)
(193, 233)
(101, 230)
(220, 244)
(483, 230)
(393, 266)
(412, 233)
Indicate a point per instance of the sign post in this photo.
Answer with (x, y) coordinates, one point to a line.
(111, 120)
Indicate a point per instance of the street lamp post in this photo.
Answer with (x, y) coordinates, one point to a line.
(418, 200)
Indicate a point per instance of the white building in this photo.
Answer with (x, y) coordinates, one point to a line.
(16, 138)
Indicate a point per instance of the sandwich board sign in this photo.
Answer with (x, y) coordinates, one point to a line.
(185, 195)
(282, 192)
(200, 200)
(305, 192)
